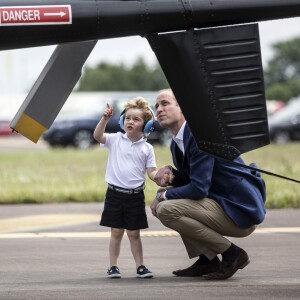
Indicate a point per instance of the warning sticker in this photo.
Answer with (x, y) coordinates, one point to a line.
(35, 15)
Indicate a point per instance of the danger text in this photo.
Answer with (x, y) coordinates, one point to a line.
(20, 15)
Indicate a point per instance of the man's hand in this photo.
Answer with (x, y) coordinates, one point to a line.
(164, 176)
(153, 207)
(157, 200)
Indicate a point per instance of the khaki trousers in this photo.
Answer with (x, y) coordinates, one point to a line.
(202, 225)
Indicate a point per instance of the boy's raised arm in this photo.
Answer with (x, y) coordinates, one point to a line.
(99, 132)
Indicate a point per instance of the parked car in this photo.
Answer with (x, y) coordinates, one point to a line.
(9, 105)
(75, 125)
(274, 106)
(284, 126)
(76, 130)
(4, 128)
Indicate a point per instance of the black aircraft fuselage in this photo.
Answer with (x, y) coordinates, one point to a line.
(39, 23)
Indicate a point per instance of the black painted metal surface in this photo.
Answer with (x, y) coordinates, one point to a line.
(217, 78)
(91, 20)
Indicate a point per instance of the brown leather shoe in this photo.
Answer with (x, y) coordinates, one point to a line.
(227, 269)
(197, 270)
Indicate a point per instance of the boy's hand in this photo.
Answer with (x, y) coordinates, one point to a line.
(108, 112)
(164, 176)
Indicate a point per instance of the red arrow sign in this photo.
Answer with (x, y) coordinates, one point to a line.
(35, 15)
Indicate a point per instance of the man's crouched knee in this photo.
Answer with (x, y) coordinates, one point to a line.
(166, 212)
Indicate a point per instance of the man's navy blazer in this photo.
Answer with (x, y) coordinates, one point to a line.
(239, 191)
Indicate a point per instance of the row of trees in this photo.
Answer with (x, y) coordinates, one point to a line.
(282, 74)
(112, 77)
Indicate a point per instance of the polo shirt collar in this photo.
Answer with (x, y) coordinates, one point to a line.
(141, 140)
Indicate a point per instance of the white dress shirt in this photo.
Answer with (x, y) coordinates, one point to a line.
(178, 139)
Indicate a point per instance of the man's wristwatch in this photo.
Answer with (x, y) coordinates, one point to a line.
(160, 195)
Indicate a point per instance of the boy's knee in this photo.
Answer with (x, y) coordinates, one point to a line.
(117, 232)
(133, 234)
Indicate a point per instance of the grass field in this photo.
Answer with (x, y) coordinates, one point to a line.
(64, 175)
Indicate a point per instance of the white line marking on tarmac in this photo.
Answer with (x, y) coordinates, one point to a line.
(278, 230)
(106, 234)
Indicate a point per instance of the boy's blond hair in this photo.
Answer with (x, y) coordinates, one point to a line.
(142, 104)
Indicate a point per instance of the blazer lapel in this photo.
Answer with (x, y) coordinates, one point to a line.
(177, 155)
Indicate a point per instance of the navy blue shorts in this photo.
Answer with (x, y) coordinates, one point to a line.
(124, 211)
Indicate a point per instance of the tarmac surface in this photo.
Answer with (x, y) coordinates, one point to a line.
(58, 251)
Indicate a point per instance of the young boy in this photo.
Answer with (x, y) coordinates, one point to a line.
(130, 156)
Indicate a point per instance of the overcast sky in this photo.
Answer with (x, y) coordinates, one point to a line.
(20, 68)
